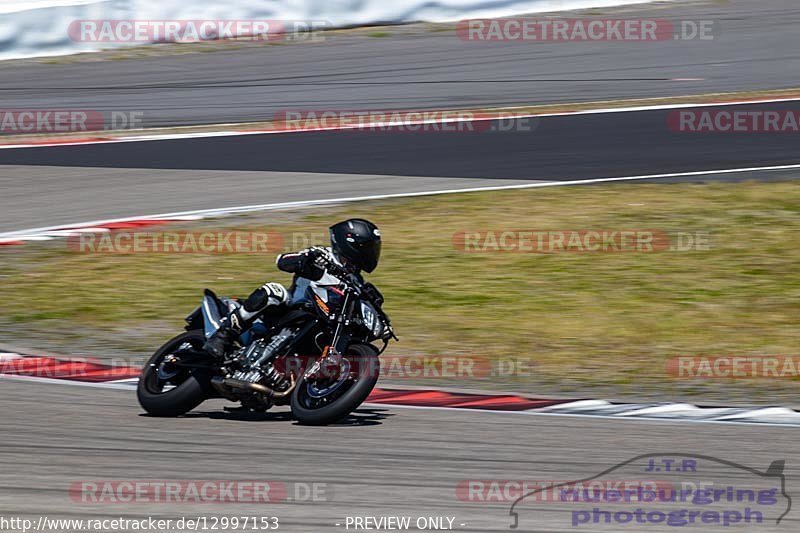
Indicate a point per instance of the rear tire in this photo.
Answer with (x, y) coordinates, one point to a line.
(191, 391)
(365, 363)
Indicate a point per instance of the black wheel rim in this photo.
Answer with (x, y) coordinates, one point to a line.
(164, 375)
(317, 394)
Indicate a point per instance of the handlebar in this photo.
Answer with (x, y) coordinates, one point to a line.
(354, 283)
(340, 272)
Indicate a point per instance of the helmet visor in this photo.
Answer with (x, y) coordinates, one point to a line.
(370, 254)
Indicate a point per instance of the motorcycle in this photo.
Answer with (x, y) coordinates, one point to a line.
(318, 356)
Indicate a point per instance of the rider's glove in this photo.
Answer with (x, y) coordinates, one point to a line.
(308, 264)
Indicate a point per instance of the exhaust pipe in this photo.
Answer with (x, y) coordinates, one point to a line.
(252, 387)
(225, 392)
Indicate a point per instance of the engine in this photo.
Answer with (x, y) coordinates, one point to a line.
(257, 359)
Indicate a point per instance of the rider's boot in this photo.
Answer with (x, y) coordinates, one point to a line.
(222, 340)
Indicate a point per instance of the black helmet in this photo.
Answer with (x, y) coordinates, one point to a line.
(358, 241)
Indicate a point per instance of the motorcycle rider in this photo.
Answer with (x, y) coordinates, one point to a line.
(355, 246)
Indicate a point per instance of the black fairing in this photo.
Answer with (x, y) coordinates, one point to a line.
(194, 321)
(295, 316)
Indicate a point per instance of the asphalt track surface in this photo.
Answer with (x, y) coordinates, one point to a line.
(46, 186)
(383, 461)
(755, 46)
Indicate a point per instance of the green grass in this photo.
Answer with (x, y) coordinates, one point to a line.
(593, 323)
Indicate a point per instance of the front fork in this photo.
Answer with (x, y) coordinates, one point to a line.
(329, 364)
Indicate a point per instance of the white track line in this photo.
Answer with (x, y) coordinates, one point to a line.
(203, 213)
(590, 417)
(52, 381)
(384, 124)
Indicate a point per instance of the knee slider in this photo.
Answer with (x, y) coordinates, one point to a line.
(269, 294)
(277, 293)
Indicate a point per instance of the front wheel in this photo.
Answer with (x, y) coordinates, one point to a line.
(322, 402)
(166, 389)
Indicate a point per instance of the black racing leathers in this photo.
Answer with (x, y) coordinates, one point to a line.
(270, 295)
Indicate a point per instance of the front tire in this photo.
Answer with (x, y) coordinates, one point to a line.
(170, 392)
(310, 409)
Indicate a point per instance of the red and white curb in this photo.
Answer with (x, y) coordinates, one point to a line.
(82, 370)
(58, 232)
(91, 373)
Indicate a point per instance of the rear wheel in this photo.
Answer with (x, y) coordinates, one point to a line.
(325, 401)
(166, 389)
